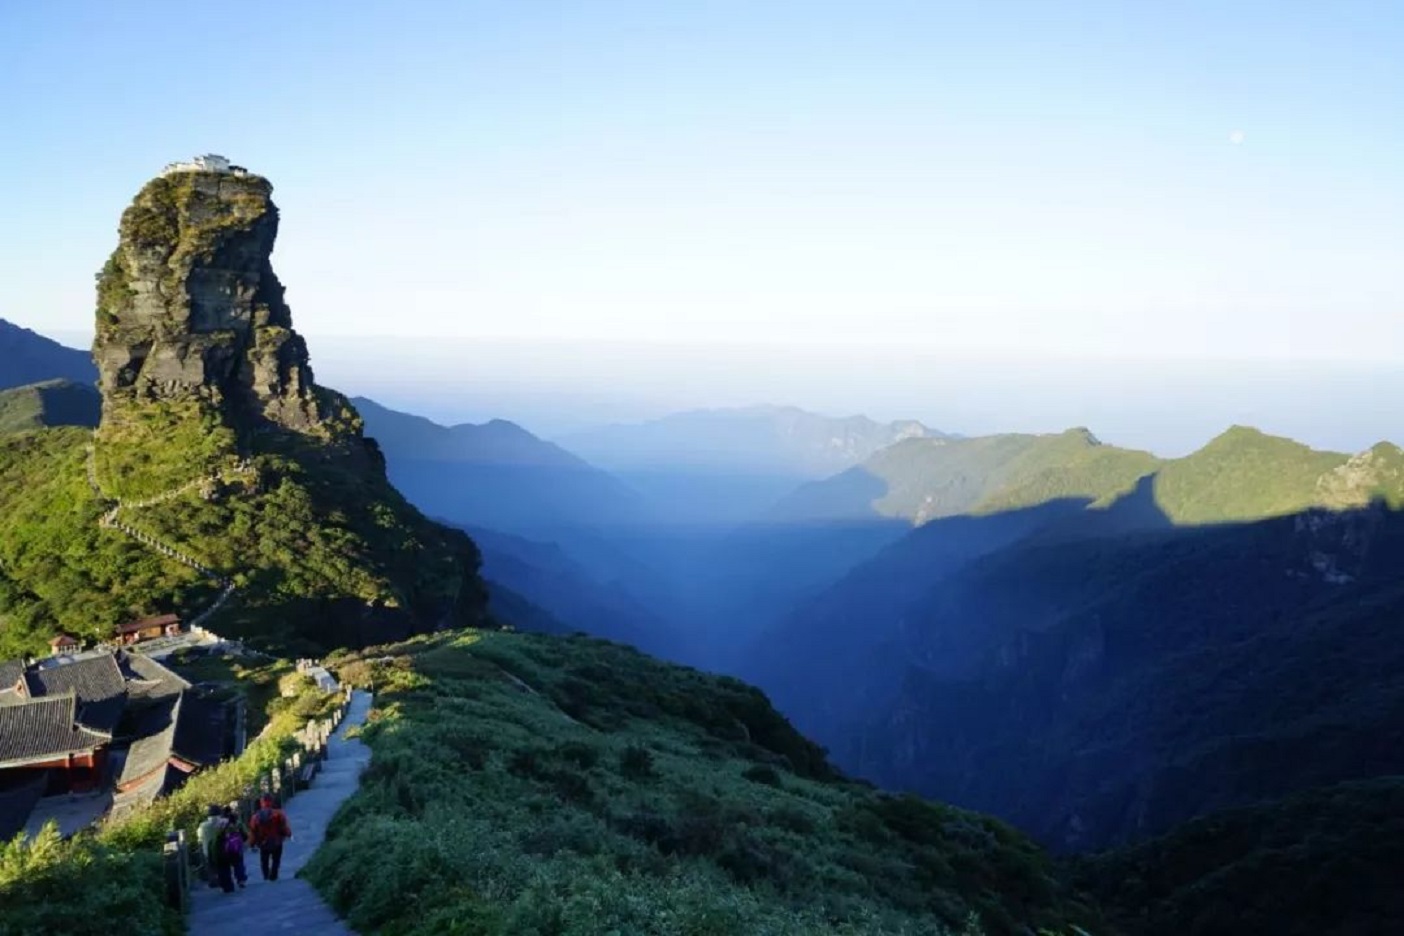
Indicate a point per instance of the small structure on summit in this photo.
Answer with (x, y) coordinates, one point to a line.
(210, 162)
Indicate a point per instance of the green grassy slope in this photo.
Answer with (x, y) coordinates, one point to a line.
(524, 784)
(50, 403)
(927, 479)
(324, 552)
(1072, 464)
(58, 571)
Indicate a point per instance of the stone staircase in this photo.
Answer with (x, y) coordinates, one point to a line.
(111, 520)
(290, 904)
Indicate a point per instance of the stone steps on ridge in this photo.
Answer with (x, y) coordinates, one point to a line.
(290, 904)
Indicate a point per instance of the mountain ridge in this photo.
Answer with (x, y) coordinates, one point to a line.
(49, 403)
(1240, 474)
(761, 438)
(27, 357)
(496, 475)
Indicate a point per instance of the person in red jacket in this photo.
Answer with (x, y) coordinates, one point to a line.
(270, 830)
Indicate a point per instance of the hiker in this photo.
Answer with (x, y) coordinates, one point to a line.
(270, 831)
(214, 829)
(236, 835)
(205, 836)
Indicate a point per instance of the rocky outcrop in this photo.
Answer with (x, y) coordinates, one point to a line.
(189, 308)
(1375, 473)
(212, 419)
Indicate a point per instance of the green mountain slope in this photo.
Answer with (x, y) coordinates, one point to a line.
(49, 403)
(1242, 474)
(1321, 863)
(530, 785)
(222, 477)
(495, 475)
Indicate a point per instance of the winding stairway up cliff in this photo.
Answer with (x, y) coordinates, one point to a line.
(213, 423)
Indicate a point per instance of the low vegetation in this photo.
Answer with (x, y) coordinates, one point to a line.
(1320, 863)
(113, 877)
(313, 543)
(524, 784)
(50, 403)
(58, 570)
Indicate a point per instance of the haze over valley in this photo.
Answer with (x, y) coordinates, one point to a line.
(727, 468)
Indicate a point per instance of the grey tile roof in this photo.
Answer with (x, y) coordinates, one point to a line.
(199, 734)
(149, 679)
(10, 673)
(41, 729)
(185, 726)
(152, 751)
(97, 682)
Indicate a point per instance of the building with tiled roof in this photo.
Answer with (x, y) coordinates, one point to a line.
(43, 733)
(148, 628)
(96, 682)
(148, 678)
(178, 736)
(58, 718)
(11, 681)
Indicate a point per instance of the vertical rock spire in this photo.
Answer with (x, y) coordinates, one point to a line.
(190, 310)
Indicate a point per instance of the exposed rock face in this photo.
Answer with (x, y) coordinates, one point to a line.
(189, 307)
(1375, 473)
(214, 429)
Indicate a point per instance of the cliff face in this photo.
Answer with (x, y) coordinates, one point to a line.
(189, 308)
(219, 449)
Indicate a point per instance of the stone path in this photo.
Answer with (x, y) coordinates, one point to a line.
(111, 520)
(290, 904)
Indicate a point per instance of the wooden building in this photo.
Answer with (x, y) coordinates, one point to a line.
(148, 628)
(42, 736)
(63, 643)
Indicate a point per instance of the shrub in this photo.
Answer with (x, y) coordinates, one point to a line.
(762, 773)
(636, 763)
(540, 841)
(581, 755)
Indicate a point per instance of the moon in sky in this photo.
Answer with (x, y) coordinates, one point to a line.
(1237, 137)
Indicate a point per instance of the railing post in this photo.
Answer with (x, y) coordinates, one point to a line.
(176, 861)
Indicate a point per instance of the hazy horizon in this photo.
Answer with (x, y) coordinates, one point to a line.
(555, 388)
(1151, 221)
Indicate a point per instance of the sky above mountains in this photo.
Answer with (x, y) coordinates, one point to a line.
(1069, 192)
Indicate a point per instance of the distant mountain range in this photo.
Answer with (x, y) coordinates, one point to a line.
(781, 440)
(1097, 644)
(1242, 474)
(543, 519)
(27, 357)
(495, 475)
(552, 580)
(722, 467)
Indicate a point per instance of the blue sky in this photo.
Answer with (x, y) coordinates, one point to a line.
(1168, 183)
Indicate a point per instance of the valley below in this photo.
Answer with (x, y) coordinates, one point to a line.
(759, 668)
